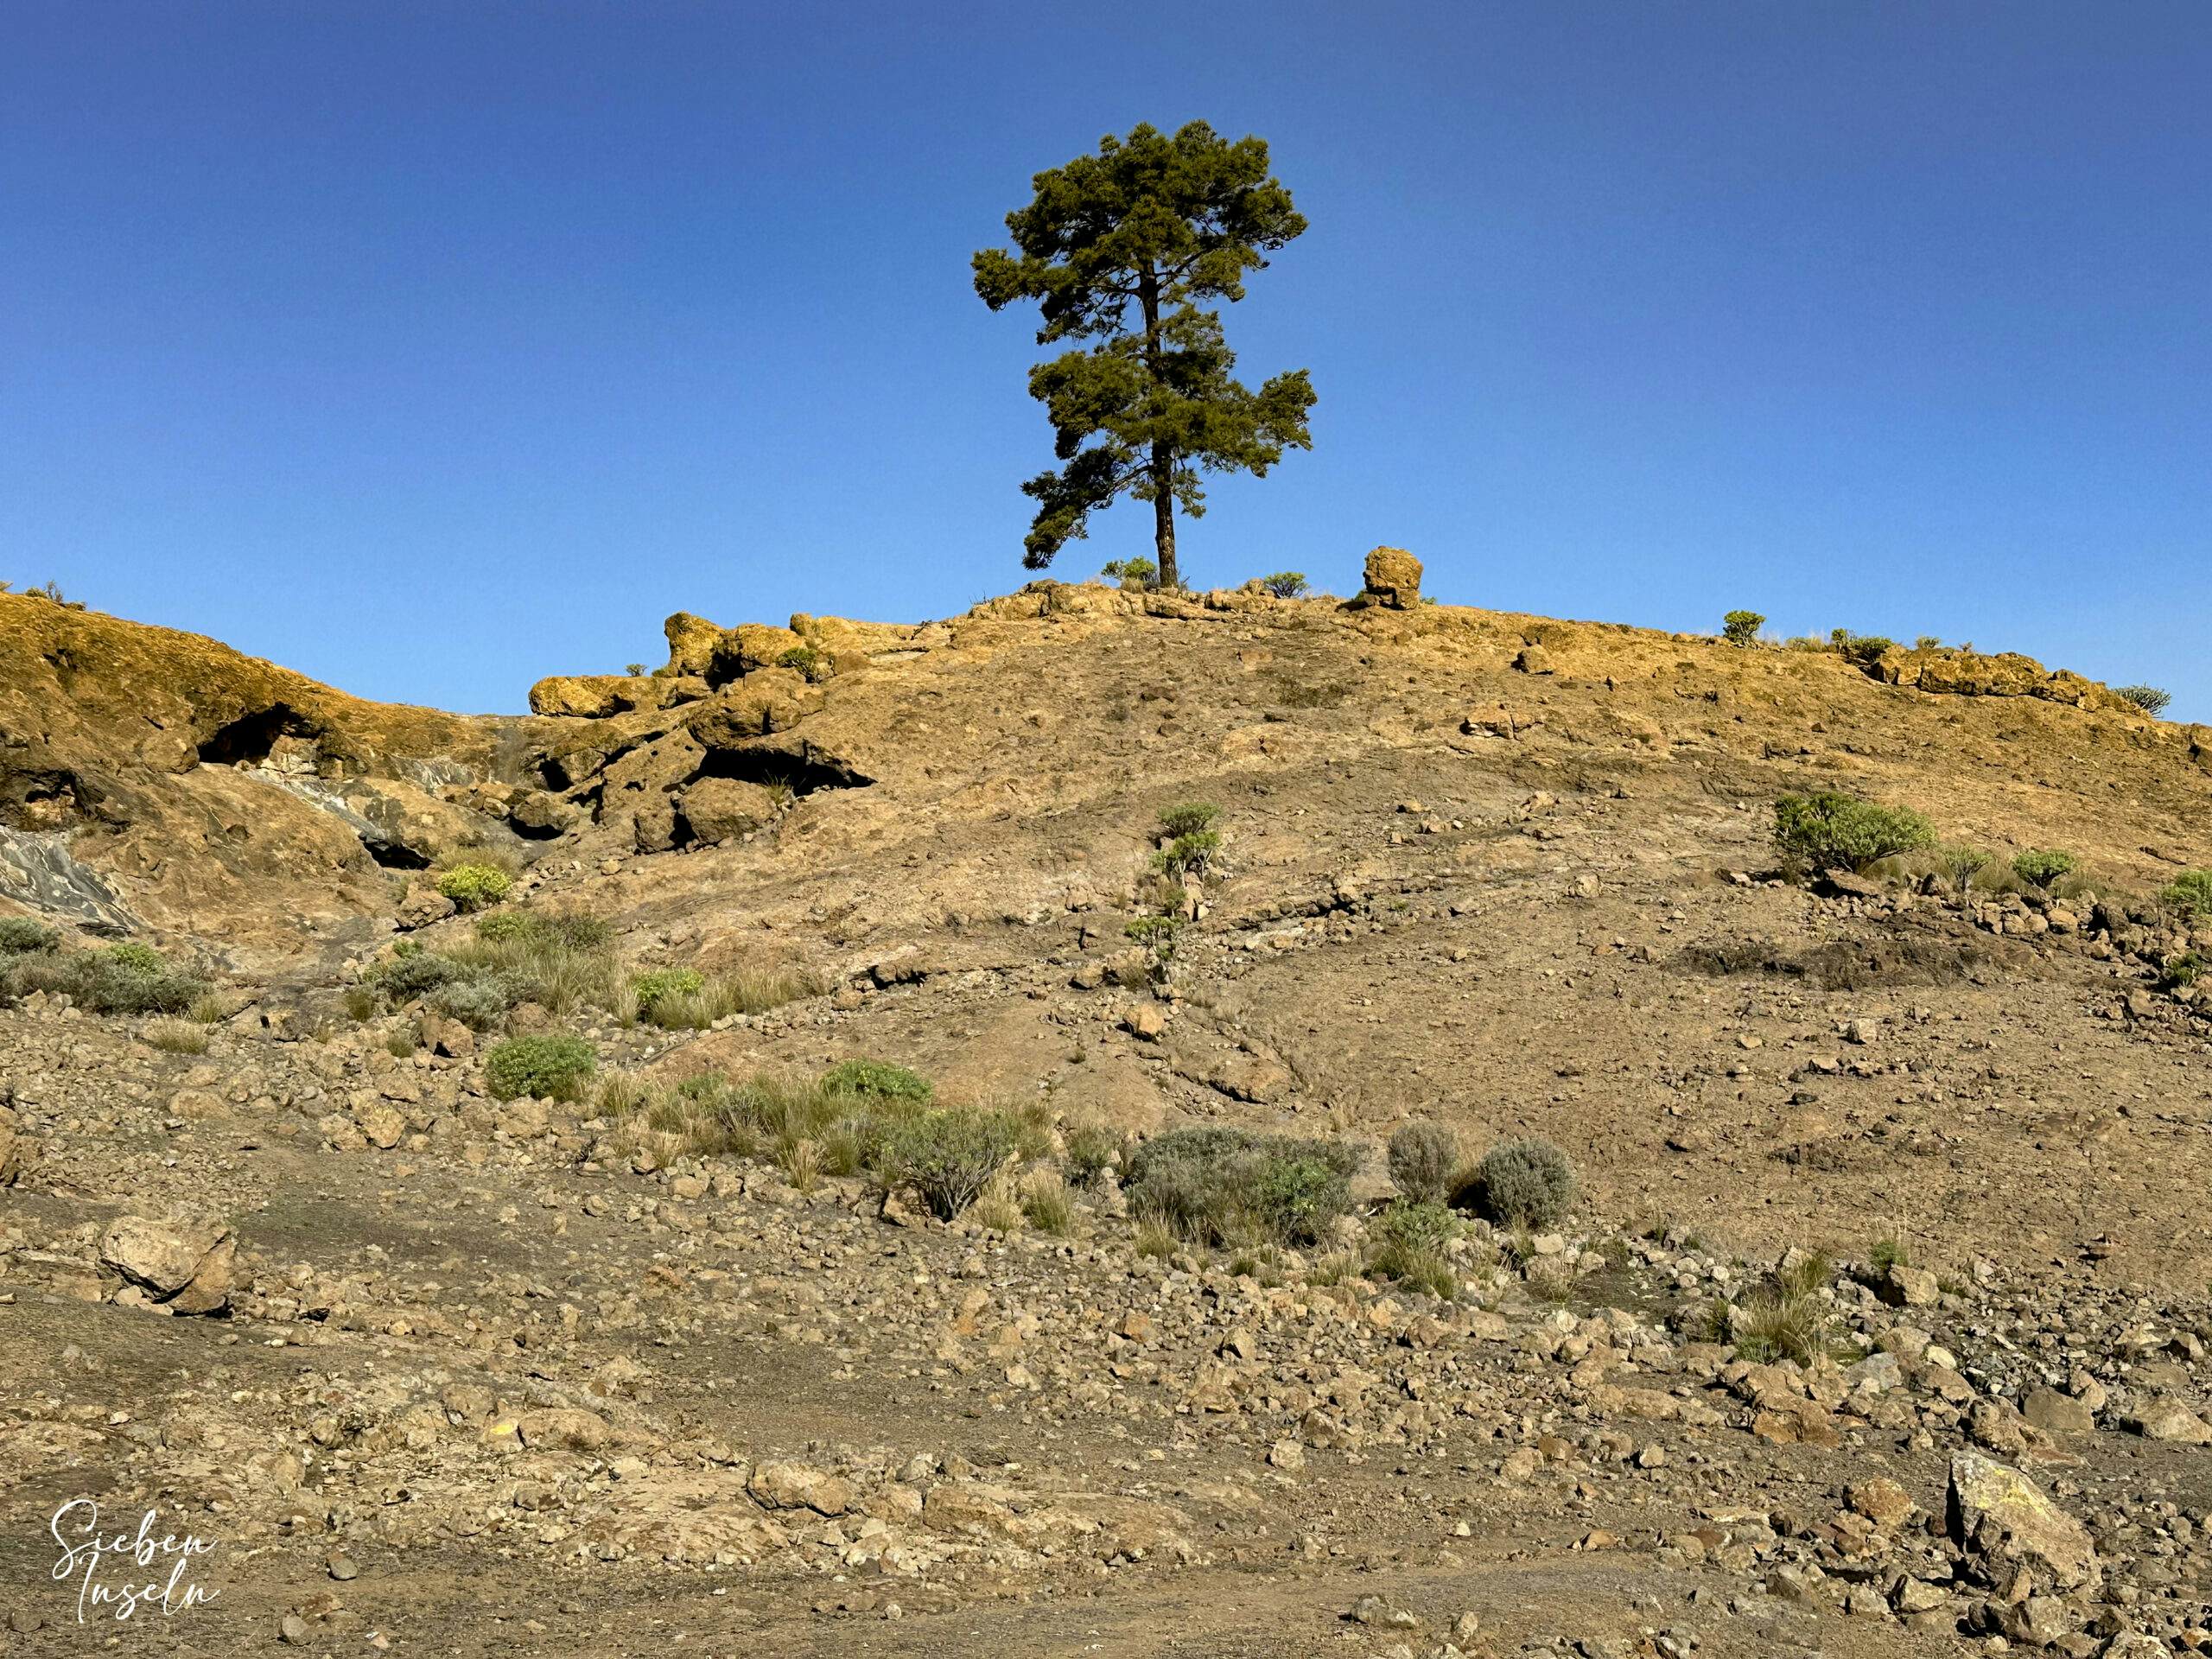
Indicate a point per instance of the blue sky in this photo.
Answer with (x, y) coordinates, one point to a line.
(432, 348)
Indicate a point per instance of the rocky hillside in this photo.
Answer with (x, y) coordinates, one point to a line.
(543, 1128)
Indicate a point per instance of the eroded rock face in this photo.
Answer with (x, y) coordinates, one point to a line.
(1393, 578)
(183, 1263)
(691, 642)
(769, 699)
(2002, 674)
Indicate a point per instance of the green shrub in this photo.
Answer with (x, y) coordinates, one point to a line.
(1187, 854)
(1784, 1317)
(947, 1156)
(2191, 893)
(815, 664)
(1963, 864)
(1088, 1151)
(1828, 830)
(2044, 867)
(1189, 818)
(1741, 628)
(480, 1001)
(472, 886)
(1133, 573)
(1285, 584)
(552, 1067)
(1424, 1160)
(136, 958)
(1927, 642)
(122, 979)
(1225, 1185)
(2149, 698)
(1863, 649)
(20, 937)
(412, 974)
(2182, 971)
(877, 1079)
(1158, 934)
(1525, 1183)
(664, 982)
(1410, 1239)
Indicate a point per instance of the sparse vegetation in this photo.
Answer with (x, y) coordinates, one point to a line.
(1088, 1152)
(663, 983)
(946, 1156)
(1524, 1184)
(815, 664)
(174, 1036)
(1830, 831)
(1425, 1162)
(1187, 856)
(1188, 818)
(1864, 649)
(1961, 864)
(1158, 936)
(1411, 1237)
(130, 978)
(21, 936)
(1786, 1316)
(2043, 868)
(1230, 1186)
(2190, 894)
(472, 886)
(2149, 698)
(1285, 584)
(546, 1067)
(1742, 628)
(877, 1080)
(1140, 574)
(1047, 1204)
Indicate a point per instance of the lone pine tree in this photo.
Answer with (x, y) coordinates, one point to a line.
(1158, 224)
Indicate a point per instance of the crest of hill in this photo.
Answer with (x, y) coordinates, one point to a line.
(203, 790)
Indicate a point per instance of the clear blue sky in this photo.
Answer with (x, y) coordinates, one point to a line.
(430, 348)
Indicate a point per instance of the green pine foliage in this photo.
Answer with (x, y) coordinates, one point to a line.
(1123, 250)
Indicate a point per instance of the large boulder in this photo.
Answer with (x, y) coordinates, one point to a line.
(766, 701)
(1392, 579)
(2002, 1519)
(722, 809)
(691, 643)
(185, 1264)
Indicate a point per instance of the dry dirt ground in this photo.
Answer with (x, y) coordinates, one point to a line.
(481, 1380)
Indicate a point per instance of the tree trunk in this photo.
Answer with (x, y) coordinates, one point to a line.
(1163, 459)
(1163, 515)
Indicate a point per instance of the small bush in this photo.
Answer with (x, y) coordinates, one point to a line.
(1225, 1185)
(2149, 698)
(551, 1067)
(472, 886)
(1285, 584)
(1828, 830)
(1863, 649)
(664, 982)
(1963, 864)
(1133, 573)
(1424, 1161)
(1741, 628)
(174, 1036)
(2191, 893)
(121, 979)
(748, 990)
(813, 664)
(22, 936)
(480, 1001)
(1088, 1152)
(1785, 1317)
(1927, 642)
(877, 1080)
(2044, 867)
(1189, 818)
(1525, 1183)
(1187, 854)
(1046, 1203)
(1411, 1236)
(946, 1157)
(2182, 971)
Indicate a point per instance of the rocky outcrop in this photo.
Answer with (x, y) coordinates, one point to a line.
(2002, 674)
(181, 1264)
(1392, 579)
(594, 696)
